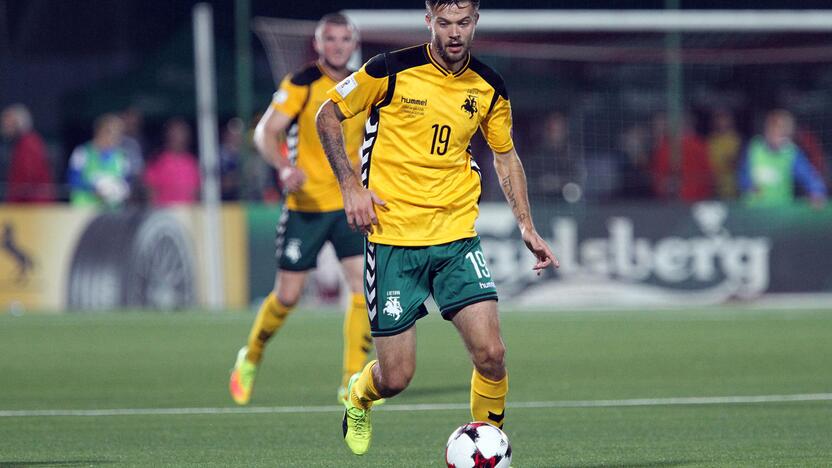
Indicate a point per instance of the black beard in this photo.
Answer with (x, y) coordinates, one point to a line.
(440, 48)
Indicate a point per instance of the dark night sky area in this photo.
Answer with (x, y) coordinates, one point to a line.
(48, 27)
(61, 57)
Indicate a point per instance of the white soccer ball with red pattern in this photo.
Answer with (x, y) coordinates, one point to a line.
(478, 445)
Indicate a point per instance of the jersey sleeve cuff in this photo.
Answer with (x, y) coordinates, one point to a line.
(333, 95)
(503, 148)
(280, 108)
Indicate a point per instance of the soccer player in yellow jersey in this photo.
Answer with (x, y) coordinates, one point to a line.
(314, 210)
(417, 203)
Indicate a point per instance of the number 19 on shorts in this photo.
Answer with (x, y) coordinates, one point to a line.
(477, 260)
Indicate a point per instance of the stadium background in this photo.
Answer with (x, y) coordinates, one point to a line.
(595, 196)
(711, 346)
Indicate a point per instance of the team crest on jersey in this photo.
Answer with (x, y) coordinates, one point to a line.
(393, 307)
(293, 250)
(470, 106)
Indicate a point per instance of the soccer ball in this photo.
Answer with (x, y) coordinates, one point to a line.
(478, 445)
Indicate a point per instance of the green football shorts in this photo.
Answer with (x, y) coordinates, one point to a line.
(398, 280)
(301, 235)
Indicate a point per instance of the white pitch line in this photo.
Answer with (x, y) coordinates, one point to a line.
(724, 400)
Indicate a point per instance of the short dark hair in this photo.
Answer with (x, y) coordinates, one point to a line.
(432, 4)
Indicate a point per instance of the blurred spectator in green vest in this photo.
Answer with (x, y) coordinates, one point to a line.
(772, 162)
(99, 170)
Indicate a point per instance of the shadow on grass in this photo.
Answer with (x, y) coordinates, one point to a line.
(22, 464)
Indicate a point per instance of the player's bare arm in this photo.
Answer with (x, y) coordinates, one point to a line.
(274, 123)
(358, 201)
(513, 182)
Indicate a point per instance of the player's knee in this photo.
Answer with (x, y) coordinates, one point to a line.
(288, 298)
(490, 357)
(393, 383)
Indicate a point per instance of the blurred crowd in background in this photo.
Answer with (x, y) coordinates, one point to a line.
(120, 163)
(781, 162)
(107, 109)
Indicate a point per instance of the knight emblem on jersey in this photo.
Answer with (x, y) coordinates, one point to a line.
(293, 250)
(393, 307)
(470, 106)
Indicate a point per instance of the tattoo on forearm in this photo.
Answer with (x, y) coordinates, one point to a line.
(508, 189)
(332, 141)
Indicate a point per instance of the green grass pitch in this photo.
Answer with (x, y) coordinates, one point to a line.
(150, 361)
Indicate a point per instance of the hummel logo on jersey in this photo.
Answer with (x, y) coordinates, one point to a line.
(415, 102)
(392, 307)
(470, 106)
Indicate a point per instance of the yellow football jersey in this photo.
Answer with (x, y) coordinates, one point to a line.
(416, 154)
(299, 96)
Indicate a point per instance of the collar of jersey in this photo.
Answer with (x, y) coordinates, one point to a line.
(325, 73)
(444, 70)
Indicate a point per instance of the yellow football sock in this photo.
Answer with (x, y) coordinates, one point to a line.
(357, 339)
(364, 391)
(269, 319)
(488, 399)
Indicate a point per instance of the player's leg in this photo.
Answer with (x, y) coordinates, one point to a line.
(356, 330)
(479, 326)
(390, 373)
(466, 295)
(270, 318)
(288, 286)
(381, 378)
(299, 238)
(396, 285)
(349, 247)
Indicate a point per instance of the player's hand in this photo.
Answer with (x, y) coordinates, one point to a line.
(359, 205)
(291, 178)
(540, 249)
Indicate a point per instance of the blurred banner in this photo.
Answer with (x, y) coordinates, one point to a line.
(60, 258)
(649, 254)
(37, 248)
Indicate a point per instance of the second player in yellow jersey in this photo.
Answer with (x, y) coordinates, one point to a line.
(299, 97)
(313, 213)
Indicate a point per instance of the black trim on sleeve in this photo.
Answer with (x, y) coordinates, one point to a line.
(377, 66)
(307, 75)
(390, 63)
(492, 78)
(401, 60)
(391, 89)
